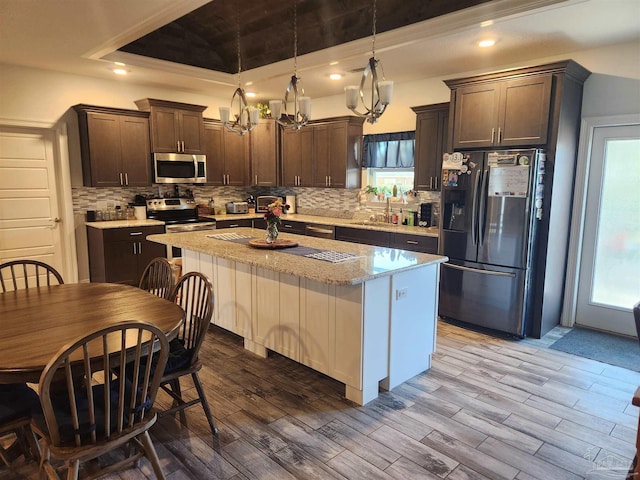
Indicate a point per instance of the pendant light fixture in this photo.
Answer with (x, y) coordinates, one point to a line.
(301, 104)
(381, 91)
(245, 118)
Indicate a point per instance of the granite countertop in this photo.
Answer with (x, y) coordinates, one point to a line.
(123, 224)
(371, 262)
(343, 222)
(294, 217)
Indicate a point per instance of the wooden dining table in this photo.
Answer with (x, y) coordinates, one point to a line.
(37, 322)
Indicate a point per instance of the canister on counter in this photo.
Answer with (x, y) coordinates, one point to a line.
(410, 217)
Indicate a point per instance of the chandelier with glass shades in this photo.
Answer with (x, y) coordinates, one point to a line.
(301, 104)
(245, 118)
(381, 90)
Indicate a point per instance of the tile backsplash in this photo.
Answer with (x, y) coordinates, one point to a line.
(327, 202)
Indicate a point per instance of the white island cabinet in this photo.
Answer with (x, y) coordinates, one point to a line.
(369, 321)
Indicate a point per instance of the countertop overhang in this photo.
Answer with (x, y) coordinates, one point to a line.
(370, 262)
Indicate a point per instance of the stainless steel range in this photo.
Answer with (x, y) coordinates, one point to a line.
(179, 215)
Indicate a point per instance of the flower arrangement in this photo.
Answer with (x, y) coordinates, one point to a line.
(272, 217)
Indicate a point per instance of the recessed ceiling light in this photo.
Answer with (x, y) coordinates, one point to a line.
(335, 76)
(250, 94)
(120, 71)
(486, 43)
(120, 64)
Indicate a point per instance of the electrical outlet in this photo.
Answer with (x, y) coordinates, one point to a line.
(401, 293)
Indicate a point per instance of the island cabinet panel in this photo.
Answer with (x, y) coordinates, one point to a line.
(407, 343)
(276, 312)
(509, 112)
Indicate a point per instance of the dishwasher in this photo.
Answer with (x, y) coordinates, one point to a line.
(321, 231)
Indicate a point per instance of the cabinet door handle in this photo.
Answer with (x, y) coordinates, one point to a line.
(499, 135)
(121, 179)
(126, 179)
(182, 145)
(228, 179)
(329, 180)
(256, 181)
(178, 146)
(431, 183)
(493, 134)
(436, 182)
(134, 248)
(234, 225)
(412, 242)
(224, 178)
(139, 248)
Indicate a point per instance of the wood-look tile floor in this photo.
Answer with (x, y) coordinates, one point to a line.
(489, 408)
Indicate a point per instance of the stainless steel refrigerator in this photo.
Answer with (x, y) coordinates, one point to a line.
(491, 207)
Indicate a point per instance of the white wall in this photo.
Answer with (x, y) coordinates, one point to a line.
(37, 95)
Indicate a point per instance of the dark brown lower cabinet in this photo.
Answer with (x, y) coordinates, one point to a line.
(120, 255)
(415, 243)
(359, 235)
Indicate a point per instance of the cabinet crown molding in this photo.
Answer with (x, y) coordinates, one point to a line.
(147, 103)
(566, 67)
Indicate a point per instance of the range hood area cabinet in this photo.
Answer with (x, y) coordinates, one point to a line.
(264, 151)
(227, 155)
(505, 109)
(333, 148)
(114, 146)
(432, 128)
(175, 127)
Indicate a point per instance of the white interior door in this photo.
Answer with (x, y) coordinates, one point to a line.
(609, 278)
(29, 216)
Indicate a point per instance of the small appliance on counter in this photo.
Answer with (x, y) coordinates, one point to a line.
(237, 207)
(263, 202)
(291, 201)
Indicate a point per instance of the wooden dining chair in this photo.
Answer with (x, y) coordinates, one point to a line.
(157, 278)
(17, 404)
(194, 294)
(21, 274)
(87, 414)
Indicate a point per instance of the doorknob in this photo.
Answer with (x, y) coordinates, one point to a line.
(57, 220)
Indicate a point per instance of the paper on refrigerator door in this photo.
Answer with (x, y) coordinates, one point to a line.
(508, 181)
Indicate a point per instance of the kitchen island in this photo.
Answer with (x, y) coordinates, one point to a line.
(368, 320)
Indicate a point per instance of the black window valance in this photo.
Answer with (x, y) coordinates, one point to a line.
(389, 150)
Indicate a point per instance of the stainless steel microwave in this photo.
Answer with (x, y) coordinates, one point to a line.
(179, 168)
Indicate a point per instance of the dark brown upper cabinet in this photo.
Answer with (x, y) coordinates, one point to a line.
(227, 155)
(297, 154)
(175, 127)
(264, 154)
(432, 126)
(114, 145)
(501, 112)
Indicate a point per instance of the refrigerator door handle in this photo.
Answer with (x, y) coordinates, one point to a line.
(483, 206)
(476, 270)
(474, 211)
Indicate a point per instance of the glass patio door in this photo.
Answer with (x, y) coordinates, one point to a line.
(609, 279)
